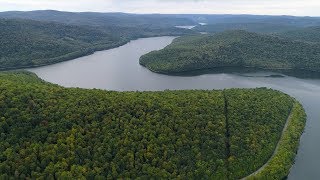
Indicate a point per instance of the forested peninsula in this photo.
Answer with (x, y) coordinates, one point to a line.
(236, 48)
(51, 132)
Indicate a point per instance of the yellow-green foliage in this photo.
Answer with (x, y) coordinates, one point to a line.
(280, 164)
(47, 131)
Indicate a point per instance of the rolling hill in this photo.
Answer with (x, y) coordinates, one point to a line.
(233, 49)
(51, 132)
(29, 43)
(247, 18)
(251, 27)
(103, 20)
(309, 34)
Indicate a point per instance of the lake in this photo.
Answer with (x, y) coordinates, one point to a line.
(185, 27)
(118, 69)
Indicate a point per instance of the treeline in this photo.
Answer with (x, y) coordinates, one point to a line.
(234, 49)
(282, 161)
(255, 118)
(258, 27)
(102, 20)
(308, 34)
(51, 132)
(28, 43)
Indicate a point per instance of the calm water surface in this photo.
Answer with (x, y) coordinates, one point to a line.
(185, 27)
(118, 69)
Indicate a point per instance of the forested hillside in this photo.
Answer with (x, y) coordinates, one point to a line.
(47, 131)
(247, 18)
(249, 120)
(252, 23)
(27, 43)
(102, 19)
(234, 49)
(309, 34)
(43, 37)
(137, 20)
(251, 27)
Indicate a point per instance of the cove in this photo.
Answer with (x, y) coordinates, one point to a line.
(118, 69)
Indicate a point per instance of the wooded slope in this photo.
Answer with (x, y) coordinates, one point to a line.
(234, 49)
(28, 43)
(47, 131)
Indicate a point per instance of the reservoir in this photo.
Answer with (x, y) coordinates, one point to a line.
(118, 69)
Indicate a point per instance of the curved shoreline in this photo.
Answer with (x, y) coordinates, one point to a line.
(288, 129)
(70, 56)
(81, 53)
(276, 149)
(290, 125)
(303, 73)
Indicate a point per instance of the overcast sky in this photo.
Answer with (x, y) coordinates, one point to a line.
(272, 7)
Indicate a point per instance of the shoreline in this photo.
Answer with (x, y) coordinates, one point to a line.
(286, 149)
(78, 54)
(304, 73)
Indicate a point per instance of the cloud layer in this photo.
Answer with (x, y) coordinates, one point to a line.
(272, 7)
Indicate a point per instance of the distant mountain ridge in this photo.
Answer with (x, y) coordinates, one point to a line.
(251, 27)
(156, 20)
(247, 18)
(101, 19)
(52, 36)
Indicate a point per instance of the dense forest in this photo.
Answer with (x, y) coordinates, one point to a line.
(286, 153)
(234, 49)
(47, 131)
(247, 18)
(252, 23)
(36, 38)
(27, 43)
(250, 121)
(51, 132)
(308, 34)
(156, 20)
(251, 27)
(101, 19)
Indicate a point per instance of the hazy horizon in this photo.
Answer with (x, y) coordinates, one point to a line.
(157, 13)
(236, 7)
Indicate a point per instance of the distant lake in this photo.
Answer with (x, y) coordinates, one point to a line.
(190, 27)
(118, 69)
(185, 27)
